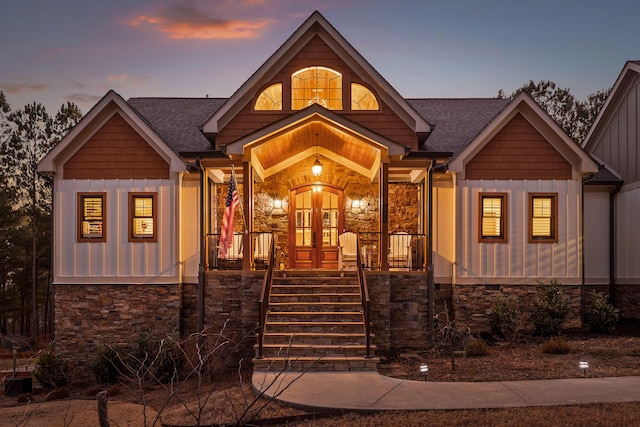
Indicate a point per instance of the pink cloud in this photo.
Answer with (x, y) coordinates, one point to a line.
(19, 88)
(182, 22)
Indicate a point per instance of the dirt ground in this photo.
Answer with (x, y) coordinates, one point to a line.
(608, 355)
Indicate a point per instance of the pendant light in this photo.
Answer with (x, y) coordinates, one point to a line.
(316, 169)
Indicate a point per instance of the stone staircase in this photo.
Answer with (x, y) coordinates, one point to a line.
(315, 322)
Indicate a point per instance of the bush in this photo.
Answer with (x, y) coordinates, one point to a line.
(556, 345)
(504, 318)
(550, 308)
(53, 370)
(601, 316)
(476, 347)
(160, 359)
(107, 365)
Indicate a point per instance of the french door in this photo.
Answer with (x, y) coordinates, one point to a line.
(314, 226)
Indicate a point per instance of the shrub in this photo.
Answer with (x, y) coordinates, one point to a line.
(601, 316)
(107, 365)
(504, 318)
(550, 308)
(476, 347)
(160, 359)
(53, 370)
(556, 345)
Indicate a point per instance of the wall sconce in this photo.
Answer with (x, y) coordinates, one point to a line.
(355, 205)
(278, 207)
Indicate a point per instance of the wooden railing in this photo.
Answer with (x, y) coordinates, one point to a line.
(263, 302)
(366, 301)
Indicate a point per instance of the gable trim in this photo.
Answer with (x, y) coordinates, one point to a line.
(523, 103)
(316, 24)
(93, 121)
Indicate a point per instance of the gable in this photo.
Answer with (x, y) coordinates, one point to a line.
(116, 151)
(518, 151)
(317, 53)
(316, 27)
(614, 138)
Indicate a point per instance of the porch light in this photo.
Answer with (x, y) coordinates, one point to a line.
(316, 169)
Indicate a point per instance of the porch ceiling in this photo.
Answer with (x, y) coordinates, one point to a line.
(279, 146)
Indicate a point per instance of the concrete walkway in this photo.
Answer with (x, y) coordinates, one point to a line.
(370, 391)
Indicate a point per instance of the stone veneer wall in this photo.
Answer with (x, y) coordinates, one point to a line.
(399, 305)
(86, 316)
(628, 301)
(472, 304)
(231, 306)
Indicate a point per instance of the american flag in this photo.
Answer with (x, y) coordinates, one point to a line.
(226, 236)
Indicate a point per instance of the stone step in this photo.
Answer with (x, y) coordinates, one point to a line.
(314, 316)
(315, 280)
(293, 351)
(327, 297)
(316, 338)
(315, 307)
(322, 289)
(305, 364)
(321, 327)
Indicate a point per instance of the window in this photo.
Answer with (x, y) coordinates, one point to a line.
(493, 221)
(142, 217)
(316, 85)
(270, 99)
(362, 98)
(543, 217)
(91, 217)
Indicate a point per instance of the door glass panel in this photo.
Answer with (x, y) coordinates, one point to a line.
(329, 219)
(303, 219)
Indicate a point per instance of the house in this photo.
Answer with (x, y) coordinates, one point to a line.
(455, 201)
(612, 196)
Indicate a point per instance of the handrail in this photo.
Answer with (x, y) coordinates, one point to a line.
(366, 301)
(263, 302)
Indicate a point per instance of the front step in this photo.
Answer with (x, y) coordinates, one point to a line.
(315, 322)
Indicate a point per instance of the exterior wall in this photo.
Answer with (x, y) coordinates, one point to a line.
(518, 151)
(116, 260)
(472, 304)
(86, 316)
(628, 235)
(317, 53)
(518, 261)
(596, 235)
(116, 151)
(190, 227)
(618, 145)
(443, 231)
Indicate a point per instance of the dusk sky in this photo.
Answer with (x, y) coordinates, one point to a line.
(53, 51)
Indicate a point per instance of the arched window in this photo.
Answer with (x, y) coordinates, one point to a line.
(362, 98)
(316, 85)
(270, 98)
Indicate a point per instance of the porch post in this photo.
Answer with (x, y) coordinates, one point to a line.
(384, 216)
(247, 194)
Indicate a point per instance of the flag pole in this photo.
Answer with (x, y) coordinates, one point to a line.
(241, 199)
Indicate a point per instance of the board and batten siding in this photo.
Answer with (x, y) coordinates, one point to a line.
(618, 145)
(117, 260)
(596, 235)
(627, 260)
(443, 231)
(517, 261)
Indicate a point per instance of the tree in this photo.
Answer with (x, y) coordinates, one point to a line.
(573, 116)
(27, 135)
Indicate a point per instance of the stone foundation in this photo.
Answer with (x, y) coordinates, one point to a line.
(86, 316)
(472, 304)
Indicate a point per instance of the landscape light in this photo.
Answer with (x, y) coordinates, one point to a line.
(424, 370)
(584, 365)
